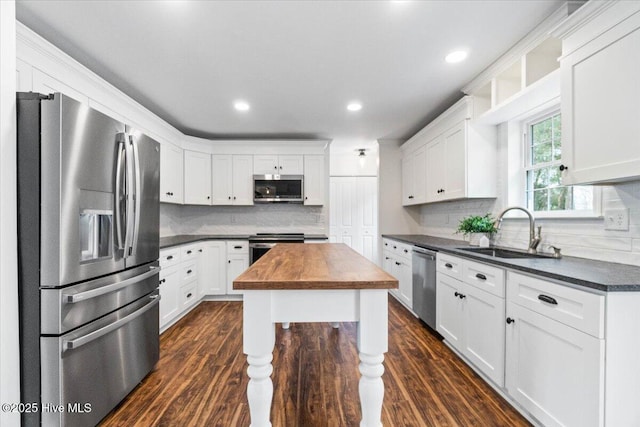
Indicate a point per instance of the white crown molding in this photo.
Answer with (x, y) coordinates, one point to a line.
(526, 44)
(581, 17)
(37, 51)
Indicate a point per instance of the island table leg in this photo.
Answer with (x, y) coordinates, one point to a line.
(372, 344)
(258, 342)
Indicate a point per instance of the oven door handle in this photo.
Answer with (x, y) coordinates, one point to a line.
(93, 293)
(92, 336)
(261, 245)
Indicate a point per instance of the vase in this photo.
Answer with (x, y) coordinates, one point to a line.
(479, 239)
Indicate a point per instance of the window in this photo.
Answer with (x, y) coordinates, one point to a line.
(543, 153)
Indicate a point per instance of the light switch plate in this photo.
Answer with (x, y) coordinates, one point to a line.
(616, 219)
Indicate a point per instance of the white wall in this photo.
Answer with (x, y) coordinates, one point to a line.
(344, 159)
(585, 238)
(9, 355)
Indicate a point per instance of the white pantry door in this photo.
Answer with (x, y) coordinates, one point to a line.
(353, 215)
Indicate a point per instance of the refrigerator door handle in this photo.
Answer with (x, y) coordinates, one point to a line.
(92, 336)
(93, 293)
(118, 196)
(137, 193)
(130, 194)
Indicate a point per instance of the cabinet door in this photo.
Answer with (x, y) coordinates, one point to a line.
(554, 371)
(455, 163)
(171, 176)
(291, 164)
(407, 181)
(236, 265)
(419, 169)
(221, 179)
(197, 178)
(484, 323)
(343, 210)
(449, 314)
(435, 170)
(314, 180)
(600, 105)
(265, 164)
(212, 267)
(170, 282)
(402, 272)
(242, 179)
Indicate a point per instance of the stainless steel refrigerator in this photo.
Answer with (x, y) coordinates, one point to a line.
(88, 222)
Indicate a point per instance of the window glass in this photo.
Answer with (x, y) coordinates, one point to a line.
(545, 191)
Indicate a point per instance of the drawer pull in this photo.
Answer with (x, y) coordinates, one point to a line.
(448, 265)
(170, 257)
(199, 250)
(395, 247)
(189, 271)
(189, 295)
(162, 281)
(386, 257)
(459, 295)
(406, 251)
(386, 244)
(481, 276)
(510, 320)
(237, 247)
(188, 252)
(397, 263)
(547, 299)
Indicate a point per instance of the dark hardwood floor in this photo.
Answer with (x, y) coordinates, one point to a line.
(201, 378)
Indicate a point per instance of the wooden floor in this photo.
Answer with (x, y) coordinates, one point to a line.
(201, 378)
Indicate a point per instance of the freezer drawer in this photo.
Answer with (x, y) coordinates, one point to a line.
(64, 309)
(91, 369)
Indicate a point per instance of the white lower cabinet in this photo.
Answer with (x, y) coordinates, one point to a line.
(213, 269)
(553, 370)
(471, 320)
(396, 260)
(169, 295)
(237, 262)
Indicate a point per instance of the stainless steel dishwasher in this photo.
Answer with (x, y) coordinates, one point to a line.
(424, 285)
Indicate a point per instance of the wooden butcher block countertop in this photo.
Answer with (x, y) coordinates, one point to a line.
(314, 266)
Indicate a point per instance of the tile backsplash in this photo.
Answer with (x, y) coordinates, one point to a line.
(584, 238)
(177, 219)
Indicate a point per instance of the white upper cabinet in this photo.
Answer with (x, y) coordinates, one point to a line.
(242, 179)
(231, 179)
(414, 178)
(314, 180)
(279, 165)
(458, 161)
(197, 178)
(601, 94)
(171, 176)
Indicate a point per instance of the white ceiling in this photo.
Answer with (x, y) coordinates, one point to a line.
(298, 63)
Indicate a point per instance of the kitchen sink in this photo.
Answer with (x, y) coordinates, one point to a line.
(504, 253)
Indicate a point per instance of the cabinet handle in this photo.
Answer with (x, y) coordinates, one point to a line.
(189, 271)
(510, 320)
(199, 250)
(234, 197)
(208, 197)
(280, 167)
(229, 261)
(237, 247)
(547, 299)
(462, 296)
(188, 252)
(411, 197)
(162, 281)
(406, 251)
(189, 295)
(306, 198)
(395, 247)
(448, 265)
(397, 263)
(456, 293)
(563, 168)
(481, 276)
(229, 197)
(275, 167)
(386, 257)
(386, 244)
(170, 257)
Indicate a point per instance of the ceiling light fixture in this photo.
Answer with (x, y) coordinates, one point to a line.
(456, 56)
(354, 106)
(361, 152)
(241, 106)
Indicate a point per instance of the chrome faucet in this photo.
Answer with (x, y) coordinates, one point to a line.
(534, 240)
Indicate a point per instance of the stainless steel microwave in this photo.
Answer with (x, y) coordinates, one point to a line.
(278, 188)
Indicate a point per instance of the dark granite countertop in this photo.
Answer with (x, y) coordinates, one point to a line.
(589, 273)
(182, 239)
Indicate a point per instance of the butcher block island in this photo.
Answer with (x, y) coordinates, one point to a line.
(330, 282)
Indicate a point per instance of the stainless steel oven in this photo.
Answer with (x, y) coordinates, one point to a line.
(259, 244)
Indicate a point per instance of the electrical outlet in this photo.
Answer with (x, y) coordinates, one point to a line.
(616, 219)
(233, 219)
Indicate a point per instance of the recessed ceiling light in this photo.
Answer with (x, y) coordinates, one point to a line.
(456, 56)
(354, 106)
(241, 106)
